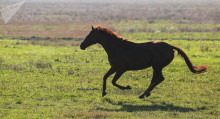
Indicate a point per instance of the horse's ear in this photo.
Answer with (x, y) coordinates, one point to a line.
(92, 27)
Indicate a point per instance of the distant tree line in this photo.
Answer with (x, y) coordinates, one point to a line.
(178, 12)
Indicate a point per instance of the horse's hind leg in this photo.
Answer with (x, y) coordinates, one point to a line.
(157, 78)
(116, 77)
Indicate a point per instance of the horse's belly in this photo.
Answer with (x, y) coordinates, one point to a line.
(138, 66)
(132, 60)
(138, 63)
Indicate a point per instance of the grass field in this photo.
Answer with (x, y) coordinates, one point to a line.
(55, 79)
(44, 74)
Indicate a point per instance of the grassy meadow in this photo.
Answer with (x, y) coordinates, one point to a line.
(55, 79)
(44, 74)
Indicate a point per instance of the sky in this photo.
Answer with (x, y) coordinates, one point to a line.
(112, 1)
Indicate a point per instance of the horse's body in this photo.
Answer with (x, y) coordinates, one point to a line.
(136, 56)
(125, 55)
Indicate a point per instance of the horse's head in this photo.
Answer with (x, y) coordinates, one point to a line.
(91, 38)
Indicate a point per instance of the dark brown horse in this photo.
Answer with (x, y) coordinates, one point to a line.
(124, 55)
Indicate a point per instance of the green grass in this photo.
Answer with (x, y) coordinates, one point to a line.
(142, 30)
(173, 36)
(158, 25)
(54, 81)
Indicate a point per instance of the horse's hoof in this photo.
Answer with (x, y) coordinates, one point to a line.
(128, 87)
(141, 96)
(103, 94)
(148, 94)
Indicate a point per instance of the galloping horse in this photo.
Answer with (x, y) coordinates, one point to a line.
(124, 55)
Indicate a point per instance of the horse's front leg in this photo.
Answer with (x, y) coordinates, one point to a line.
(116, 77)
(110, 72)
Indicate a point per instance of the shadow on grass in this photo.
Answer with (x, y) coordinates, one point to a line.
(154, 107)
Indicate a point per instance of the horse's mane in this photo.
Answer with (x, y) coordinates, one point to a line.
(109, 32)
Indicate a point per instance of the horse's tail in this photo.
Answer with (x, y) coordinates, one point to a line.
(194, 69)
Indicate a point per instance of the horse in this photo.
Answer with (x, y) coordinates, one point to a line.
(124, 55)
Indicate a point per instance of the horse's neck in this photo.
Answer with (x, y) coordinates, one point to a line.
(110, 45)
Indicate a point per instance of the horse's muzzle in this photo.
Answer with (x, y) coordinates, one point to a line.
(82, 47)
